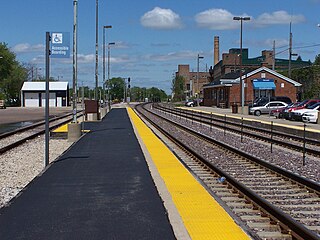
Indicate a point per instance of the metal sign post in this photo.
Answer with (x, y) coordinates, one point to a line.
(46, 157)
(60, 48)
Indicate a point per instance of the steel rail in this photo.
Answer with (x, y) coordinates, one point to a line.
(21, 141)
(298, 230)
(37, 124)
(264, 138)
(267, 131)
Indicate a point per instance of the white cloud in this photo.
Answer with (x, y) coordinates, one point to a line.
(278, 17)
(172, 56)
(160, 18)
(221, 19)
(27, 48)
(216, 19)
(89, 58)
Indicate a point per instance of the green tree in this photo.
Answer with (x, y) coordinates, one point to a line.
(317, 60)
(116, 86)
(12, 76)
(156, 95)
(137, 94)
(178, 88)
(309, 77)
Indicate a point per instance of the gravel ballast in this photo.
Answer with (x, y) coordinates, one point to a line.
(21, 165)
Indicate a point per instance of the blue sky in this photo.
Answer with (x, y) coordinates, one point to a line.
(153, 36)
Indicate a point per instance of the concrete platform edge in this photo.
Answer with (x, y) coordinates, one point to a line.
(176, 222)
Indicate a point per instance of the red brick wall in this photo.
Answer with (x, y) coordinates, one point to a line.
(288, 90)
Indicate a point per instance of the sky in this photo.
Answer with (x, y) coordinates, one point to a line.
(152, 37)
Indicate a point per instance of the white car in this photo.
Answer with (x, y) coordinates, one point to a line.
(310, 116)
(297, 114)
(267, 108)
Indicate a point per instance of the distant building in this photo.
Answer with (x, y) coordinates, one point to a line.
(230, 62)
(191, 85)
(33, 94)
(257, 83)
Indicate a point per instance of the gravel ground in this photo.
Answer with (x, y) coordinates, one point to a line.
(19, 166)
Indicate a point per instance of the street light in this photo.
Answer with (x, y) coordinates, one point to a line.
(96, 66)
(241, 80)
(104, 61)
(109, 44)
(198, 90)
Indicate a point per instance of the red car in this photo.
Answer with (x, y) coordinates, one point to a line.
(278, 113)
(306, 103)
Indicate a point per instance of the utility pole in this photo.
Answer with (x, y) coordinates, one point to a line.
(75, 48)
(290, 52)
(274, 55)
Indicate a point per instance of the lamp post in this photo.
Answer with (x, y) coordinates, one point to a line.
(198, 90)
(241, 19)
(109, 44)
(96, 66)
(104, 62)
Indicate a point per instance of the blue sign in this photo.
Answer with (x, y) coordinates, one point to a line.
(60, 45)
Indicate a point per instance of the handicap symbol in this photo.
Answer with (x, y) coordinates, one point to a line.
(57, 38)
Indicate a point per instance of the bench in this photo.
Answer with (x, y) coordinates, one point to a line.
(2, 104)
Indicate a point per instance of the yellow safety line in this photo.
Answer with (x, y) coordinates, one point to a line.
(64, 129)
(203, 217)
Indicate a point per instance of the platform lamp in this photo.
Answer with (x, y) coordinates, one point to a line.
(96, 65)
(241, 19)
(108, 81)
(198, 90)
(104, 61)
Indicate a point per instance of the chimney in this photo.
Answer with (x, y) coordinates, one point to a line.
(216, 50)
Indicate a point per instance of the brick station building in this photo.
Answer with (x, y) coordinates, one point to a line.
(257, 83)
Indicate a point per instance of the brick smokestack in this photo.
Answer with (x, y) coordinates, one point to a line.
(216, 50)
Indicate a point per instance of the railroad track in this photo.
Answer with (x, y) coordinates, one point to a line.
(273, 202)
(294, 142)
(9, 140)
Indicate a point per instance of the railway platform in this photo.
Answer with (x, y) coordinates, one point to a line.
(119, 181)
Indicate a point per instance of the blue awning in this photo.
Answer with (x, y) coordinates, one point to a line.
(264, 85)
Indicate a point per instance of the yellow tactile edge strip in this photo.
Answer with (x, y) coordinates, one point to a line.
(202, 216)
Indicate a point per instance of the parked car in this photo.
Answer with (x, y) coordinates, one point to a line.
(194, 102)
(189, 103)
(278, 113)
(310, 116)
(264, 100)
(306, 103)
(297, 114)
(267, 108)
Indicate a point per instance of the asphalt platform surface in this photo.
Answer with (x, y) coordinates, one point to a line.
(100, 189)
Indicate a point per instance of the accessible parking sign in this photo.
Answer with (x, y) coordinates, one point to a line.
(60, 45)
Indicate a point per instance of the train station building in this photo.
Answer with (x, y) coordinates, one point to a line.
(220, 86)
(261, 82)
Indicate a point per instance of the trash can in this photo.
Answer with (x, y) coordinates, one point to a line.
(234, 108)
